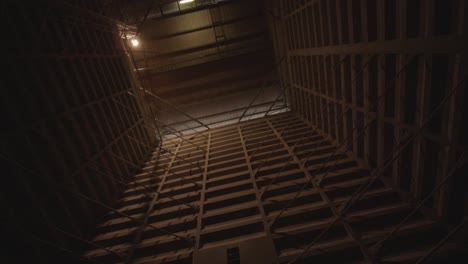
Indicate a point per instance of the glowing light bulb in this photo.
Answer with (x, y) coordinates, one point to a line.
(185, 1)
(135, 42)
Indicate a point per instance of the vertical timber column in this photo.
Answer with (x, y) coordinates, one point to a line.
(352, 59)
(451, 124)
(315, 87)
(364, 71)
(400, 85)
(151, 205)
(139, 92)
(349, 230)
(422, 103)
(381, 84)
(342, 22)
(319, 18)
(287, 47)
(257, 192)
(202, 197)
(328, 69)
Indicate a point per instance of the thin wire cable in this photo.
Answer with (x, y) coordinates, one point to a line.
(95, 201)
(279, 173)
(49, 243)
(258, 169)
(280, 143)
(455, 230)
(338, 148)
(355, 197)
(306, 133)
(451, 174)
(179, 137)
(149, 191)
(155, 163)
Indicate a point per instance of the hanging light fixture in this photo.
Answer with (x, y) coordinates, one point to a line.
(135, 42)
(185, 1)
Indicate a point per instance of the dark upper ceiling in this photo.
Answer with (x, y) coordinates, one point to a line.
(209, 59)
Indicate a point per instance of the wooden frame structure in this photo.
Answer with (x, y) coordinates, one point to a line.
(74, 121)
(365, 169)
(374, 71)
(250, 185)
